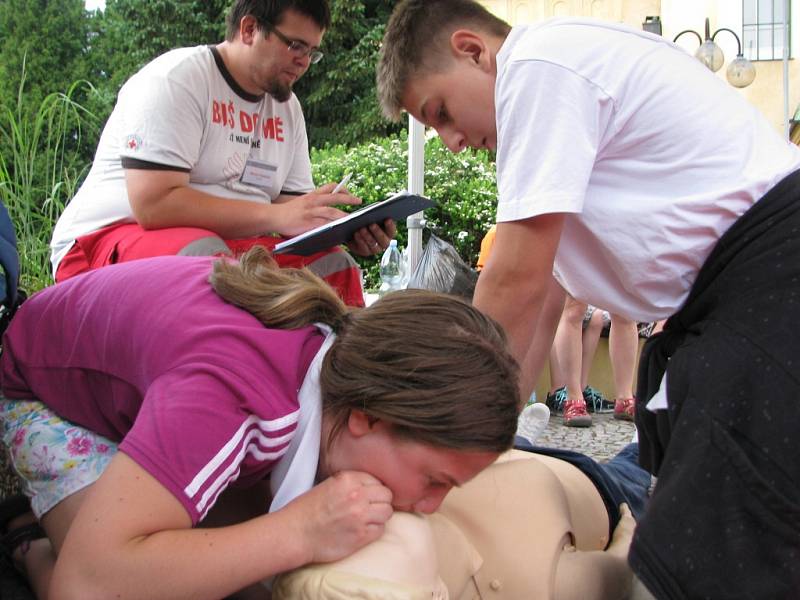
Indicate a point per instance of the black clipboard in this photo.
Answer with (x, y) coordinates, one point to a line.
(337, 232)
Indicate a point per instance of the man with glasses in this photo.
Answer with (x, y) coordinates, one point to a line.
(206, 153)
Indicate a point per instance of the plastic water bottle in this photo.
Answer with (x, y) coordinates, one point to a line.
(391, 269)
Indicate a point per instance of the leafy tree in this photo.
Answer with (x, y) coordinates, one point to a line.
(130, 33)
(42, 90)
(338, 94)
(49, 38)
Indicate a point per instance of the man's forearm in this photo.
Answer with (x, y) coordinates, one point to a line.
(186, 207)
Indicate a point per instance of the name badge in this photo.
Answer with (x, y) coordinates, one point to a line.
(258, 174)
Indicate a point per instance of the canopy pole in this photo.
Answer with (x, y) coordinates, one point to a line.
(416, 185)
(786, 116)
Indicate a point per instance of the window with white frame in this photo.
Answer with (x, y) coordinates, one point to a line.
(763, 31)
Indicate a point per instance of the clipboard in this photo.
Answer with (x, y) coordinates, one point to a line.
(399, 206)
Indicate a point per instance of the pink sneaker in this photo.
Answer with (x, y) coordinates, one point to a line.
(624, 409)
(575, 414)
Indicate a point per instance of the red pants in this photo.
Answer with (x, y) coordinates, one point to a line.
(128, 241)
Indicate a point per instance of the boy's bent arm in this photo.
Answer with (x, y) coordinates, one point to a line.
(132, 538)
(514, 287)
(539, 349)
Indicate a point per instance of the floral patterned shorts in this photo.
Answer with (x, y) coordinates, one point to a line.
(53, 457)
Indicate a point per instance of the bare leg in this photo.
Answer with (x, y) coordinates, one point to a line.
(39, 558)
(557, 377)
(591, 337)
(623, 344)
(568, 347)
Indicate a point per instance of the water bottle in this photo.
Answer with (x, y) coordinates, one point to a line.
(391, 269)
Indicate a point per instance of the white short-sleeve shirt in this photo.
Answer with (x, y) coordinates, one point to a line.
(184, 111)
(651, 156)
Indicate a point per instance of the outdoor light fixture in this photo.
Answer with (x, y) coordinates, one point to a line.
(741, 71)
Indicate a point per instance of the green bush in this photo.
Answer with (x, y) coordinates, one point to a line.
(463, 185)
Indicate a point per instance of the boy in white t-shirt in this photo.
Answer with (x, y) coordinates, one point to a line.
(206, 153)
(640, 182)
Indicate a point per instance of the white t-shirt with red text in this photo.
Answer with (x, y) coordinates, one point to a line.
(184, 111)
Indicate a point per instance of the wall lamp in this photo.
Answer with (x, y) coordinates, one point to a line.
(741, 71)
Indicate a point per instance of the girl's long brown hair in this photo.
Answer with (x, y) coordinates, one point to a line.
(430, 364)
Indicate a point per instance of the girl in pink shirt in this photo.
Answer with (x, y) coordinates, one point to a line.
(147, 398)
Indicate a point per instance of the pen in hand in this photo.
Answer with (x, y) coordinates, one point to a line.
(340, 186)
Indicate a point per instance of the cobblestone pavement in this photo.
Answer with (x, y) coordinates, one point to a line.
(601, 441)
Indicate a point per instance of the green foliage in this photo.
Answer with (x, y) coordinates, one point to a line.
(130, 33)
(48, 136)
(49, 37)
(464, 186)
(40, 169)
(338, 94)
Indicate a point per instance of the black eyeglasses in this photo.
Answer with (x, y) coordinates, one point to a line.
(298, 48)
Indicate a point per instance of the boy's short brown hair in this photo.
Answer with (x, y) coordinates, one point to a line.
(415, 40)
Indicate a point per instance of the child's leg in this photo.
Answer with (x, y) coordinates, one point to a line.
(567, 347)
(38, 559)
(590, 339)
(623, 343)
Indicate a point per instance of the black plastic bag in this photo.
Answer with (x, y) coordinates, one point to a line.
(441, 269)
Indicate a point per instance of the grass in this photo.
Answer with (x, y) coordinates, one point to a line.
(40, 169)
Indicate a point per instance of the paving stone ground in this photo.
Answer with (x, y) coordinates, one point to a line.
(601, 441)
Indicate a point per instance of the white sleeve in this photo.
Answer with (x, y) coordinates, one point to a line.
(161, 121)
(299, 179)
(550, 125)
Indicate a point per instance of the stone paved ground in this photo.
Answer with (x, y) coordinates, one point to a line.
(601, 441)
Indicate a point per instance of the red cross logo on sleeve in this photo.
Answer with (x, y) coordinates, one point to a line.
(133, 142)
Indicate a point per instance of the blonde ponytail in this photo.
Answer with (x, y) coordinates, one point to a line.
(279, 298)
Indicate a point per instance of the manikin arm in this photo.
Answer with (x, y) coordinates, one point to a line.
(598, 575)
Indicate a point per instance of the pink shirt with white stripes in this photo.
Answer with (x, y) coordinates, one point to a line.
(198, 392)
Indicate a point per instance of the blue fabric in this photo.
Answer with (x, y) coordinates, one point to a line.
(619, 480)
(9, 259)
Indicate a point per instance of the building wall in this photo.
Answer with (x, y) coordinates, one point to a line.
(766, 92)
